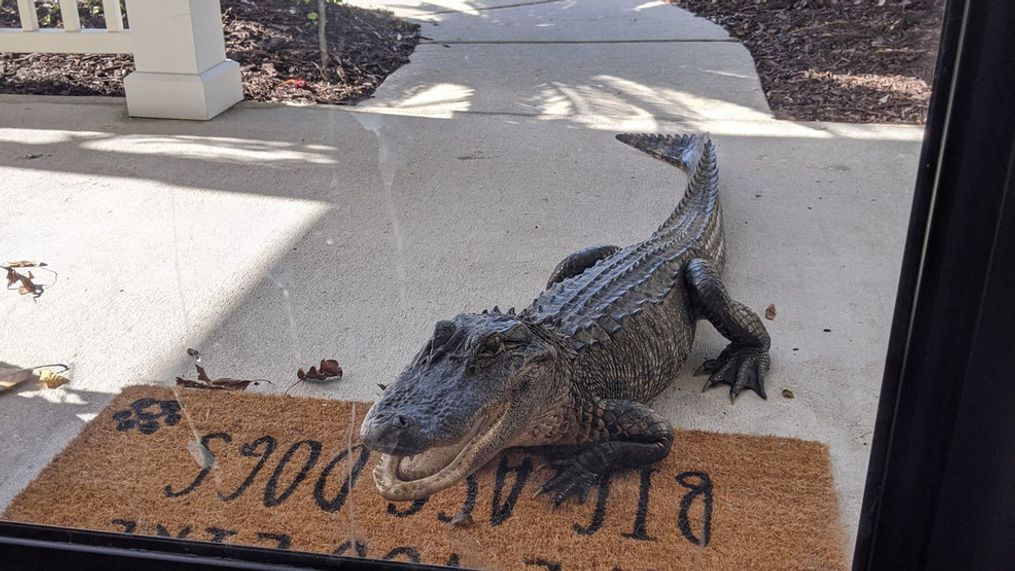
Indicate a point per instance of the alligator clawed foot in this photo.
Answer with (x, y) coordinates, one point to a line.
(740, 368)
(571, 480)
(706, 368)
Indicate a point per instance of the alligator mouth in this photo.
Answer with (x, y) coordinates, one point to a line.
(401, 478)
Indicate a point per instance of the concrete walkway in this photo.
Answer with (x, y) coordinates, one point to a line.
(610, 64)
(275, 235)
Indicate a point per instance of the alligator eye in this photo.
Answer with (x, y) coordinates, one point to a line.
(493, 345)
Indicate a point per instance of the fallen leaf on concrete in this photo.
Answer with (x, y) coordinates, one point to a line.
(770, 312)
(235, 384)
(331, 367)
(25, 264)
(52, 380)
(10, 378)
(201, 374)
(27, 285)
(220, 384)
(787, 393)
(327, 370)
(192, 384)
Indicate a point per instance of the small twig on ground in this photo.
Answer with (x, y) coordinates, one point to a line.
(322, 34)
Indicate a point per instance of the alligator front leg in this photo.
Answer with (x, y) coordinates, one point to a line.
(578, 262)
(612, 435)
(745, 361)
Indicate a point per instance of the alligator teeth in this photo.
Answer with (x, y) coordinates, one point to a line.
(384, 471)
(476, 448)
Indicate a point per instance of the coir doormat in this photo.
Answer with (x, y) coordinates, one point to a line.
(277, 471)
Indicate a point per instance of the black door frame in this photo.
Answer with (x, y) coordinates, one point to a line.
(939, 492)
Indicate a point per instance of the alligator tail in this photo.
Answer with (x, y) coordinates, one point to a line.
(695, 155)
(684, 151)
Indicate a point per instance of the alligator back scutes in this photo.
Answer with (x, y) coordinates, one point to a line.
(602, 316)
(592, 306)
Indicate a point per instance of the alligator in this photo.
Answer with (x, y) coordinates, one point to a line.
(571, 374)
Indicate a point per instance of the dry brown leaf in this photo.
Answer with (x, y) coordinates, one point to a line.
(52, 380)
(235, 384)
(331, 368)
(10, 378)
(201, 374)
(770, 312)
(327, 370)
(192, 384)
(220, 384)
(25, 264)
(27, 285)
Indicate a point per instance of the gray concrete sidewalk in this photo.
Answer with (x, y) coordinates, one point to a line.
(617, 64)
(562, 21)
(275, 236)
(591, 84)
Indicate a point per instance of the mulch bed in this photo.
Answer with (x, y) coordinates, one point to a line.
(837, 60)
(273, 40)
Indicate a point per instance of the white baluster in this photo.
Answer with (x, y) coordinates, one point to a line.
(69, 15)
(29, 18)
(114, 16)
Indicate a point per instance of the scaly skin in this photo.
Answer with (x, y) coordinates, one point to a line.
(572, 373)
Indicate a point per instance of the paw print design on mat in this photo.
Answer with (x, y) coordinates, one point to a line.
(145, 415)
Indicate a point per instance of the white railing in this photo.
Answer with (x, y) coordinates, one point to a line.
(72, 38)
(179, 52)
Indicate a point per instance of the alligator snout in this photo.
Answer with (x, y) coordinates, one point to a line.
(392, 432)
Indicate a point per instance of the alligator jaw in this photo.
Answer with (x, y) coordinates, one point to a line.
(474, 452)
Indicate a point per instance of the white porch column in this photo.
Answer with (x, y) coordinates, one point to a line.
(182, 70)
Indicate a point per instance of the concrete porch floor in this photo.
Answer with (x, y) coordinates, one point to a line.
(276, 236)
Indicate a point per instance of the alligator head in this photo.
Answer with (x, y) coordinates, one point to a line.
(470, 393)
